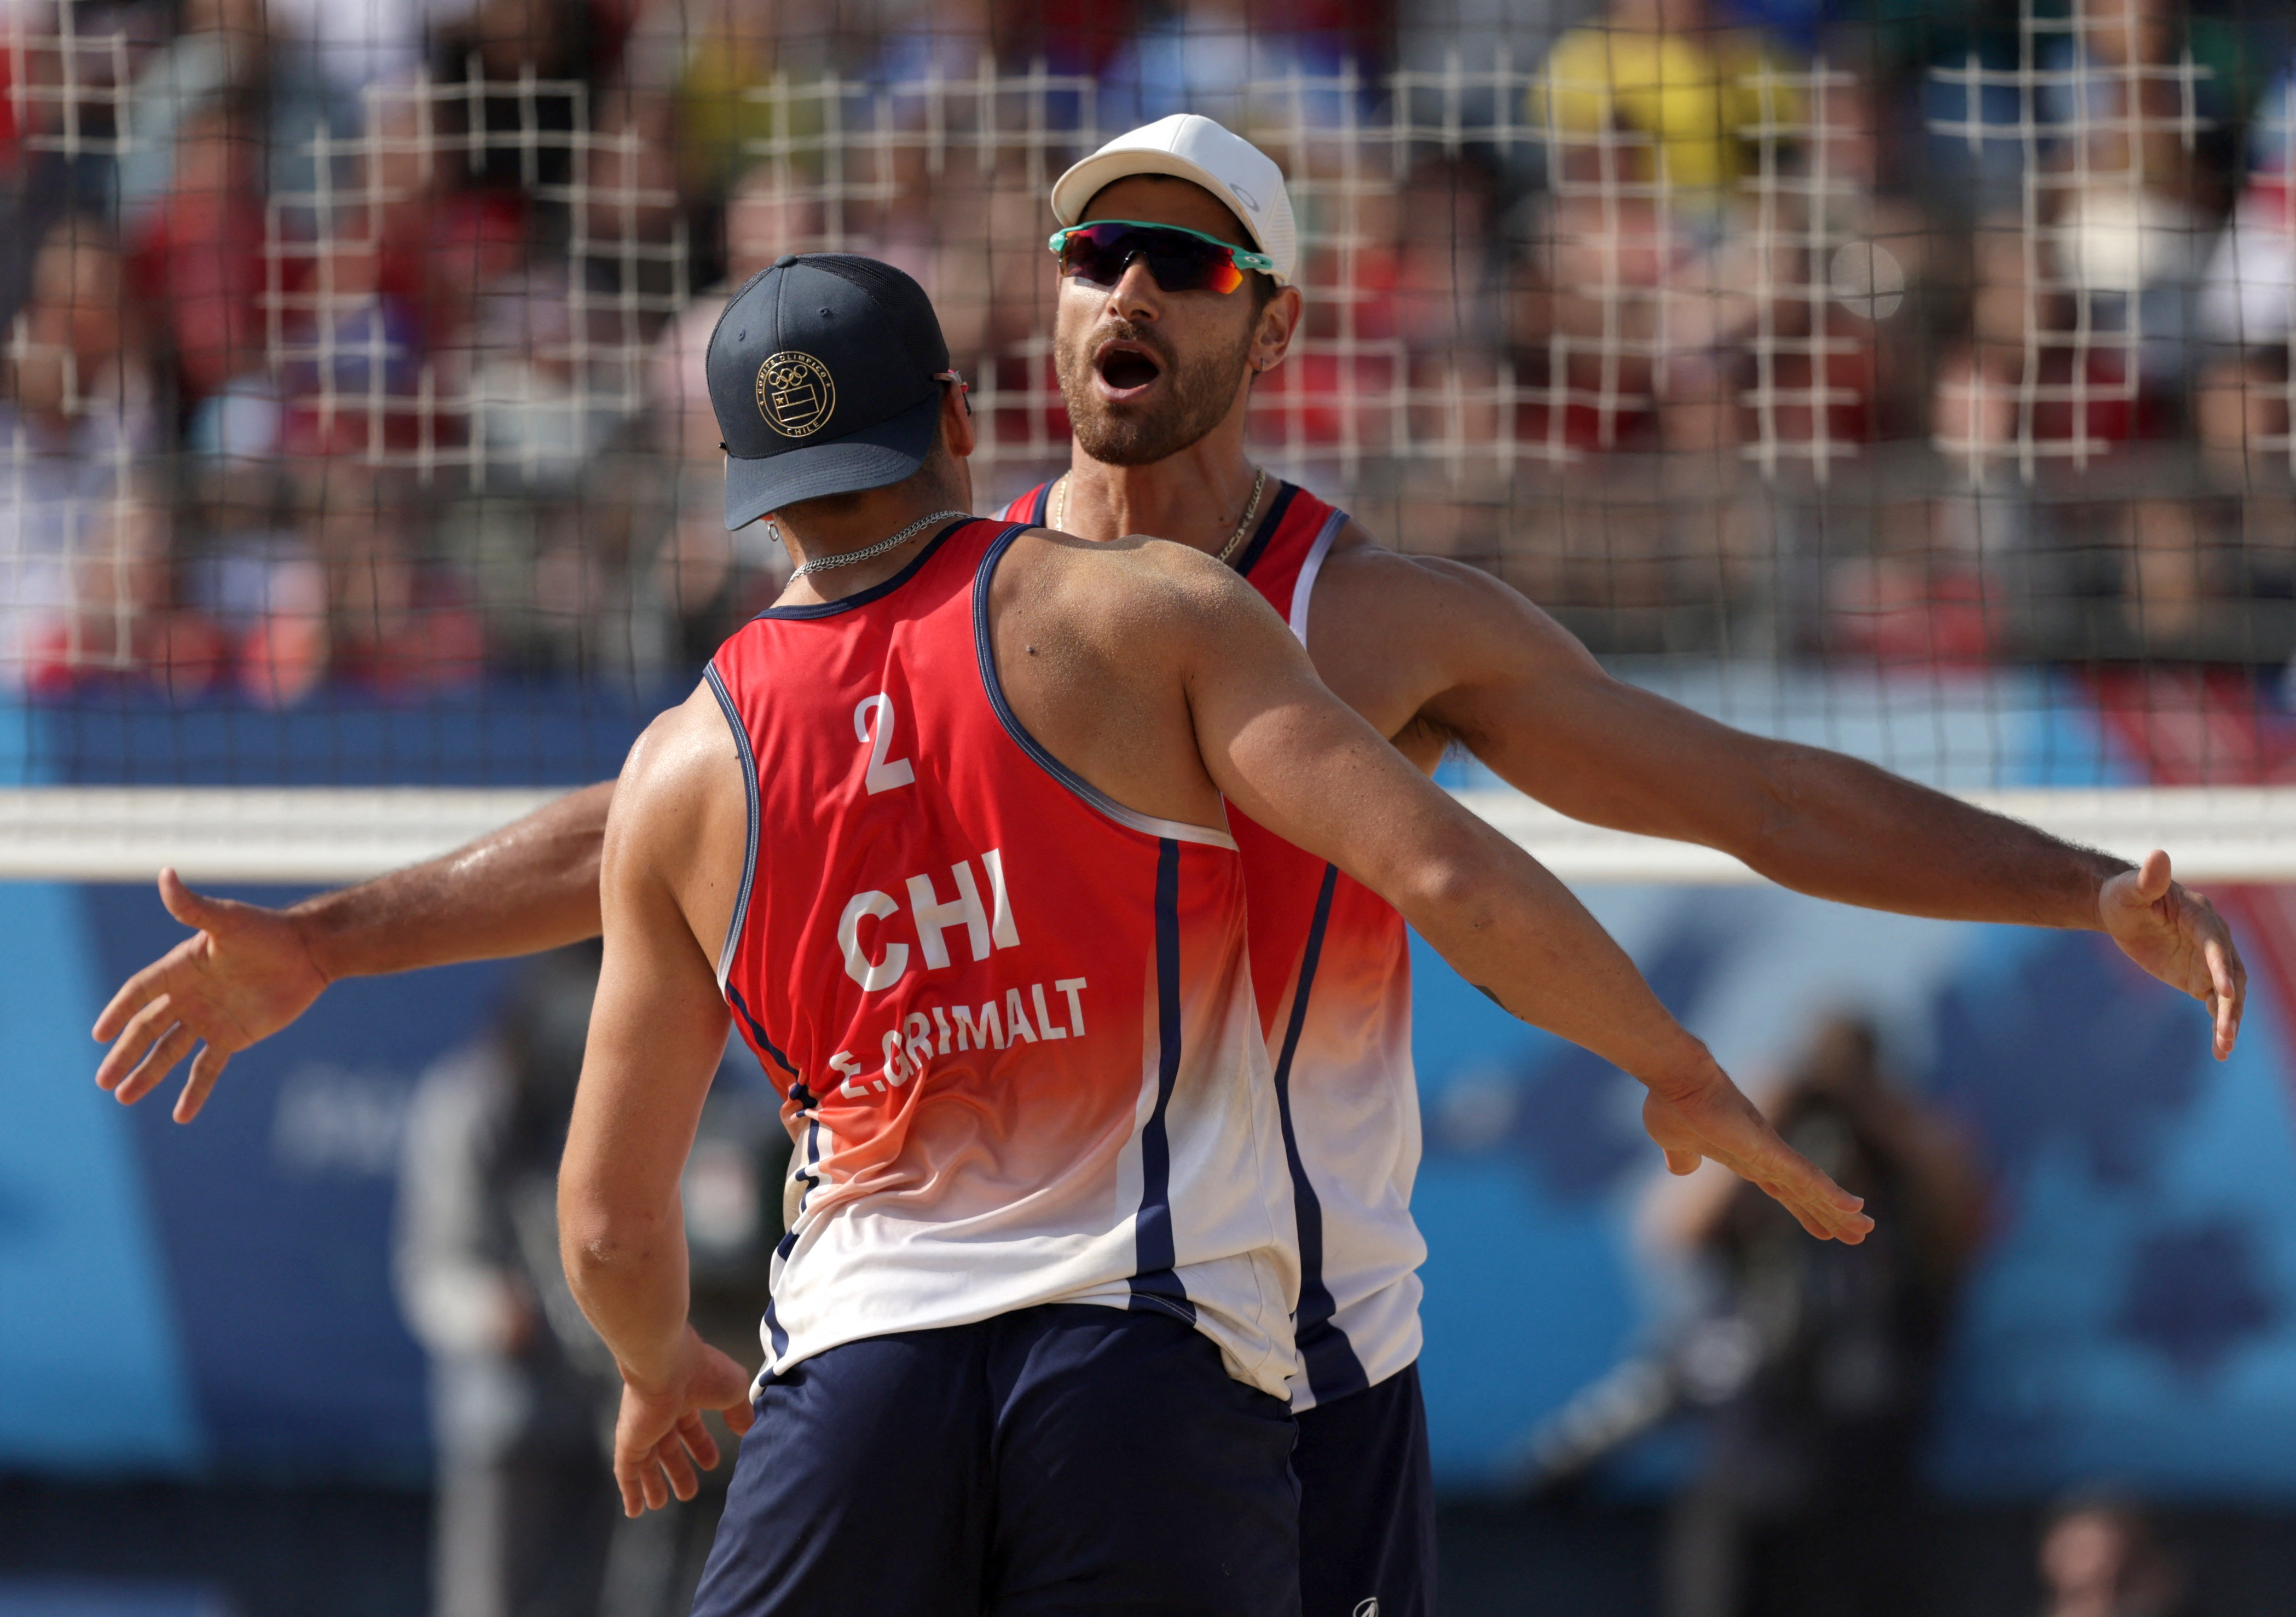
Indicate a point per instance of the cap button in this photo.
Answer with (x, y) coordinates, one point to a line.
(785, 261)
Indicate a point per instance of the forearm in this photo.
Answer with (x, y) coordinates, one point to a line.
(530, 886)
(627, 1270)
(1505, 922)
(1837, 828)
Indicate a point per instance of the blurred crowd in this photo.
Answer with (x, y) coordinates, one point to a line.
(356, 343)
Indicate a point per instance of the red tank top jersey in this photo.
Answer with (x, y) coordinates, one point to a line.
(1331, 964)
(1012, 1019)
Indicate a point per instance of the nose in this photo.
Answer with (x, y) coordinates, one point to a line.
(1136, 296)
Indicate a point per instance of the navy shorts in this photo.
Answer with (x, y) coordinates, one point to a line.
(1069, 1459)
(1366, 1505)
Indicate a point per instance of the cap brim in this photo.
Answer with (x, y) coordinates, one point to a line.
(1073, 191)
(871, 458)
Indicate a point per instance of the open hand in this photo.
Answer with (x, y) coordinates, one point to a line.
(1708, 1116)
(2176, 935)
(246, 973)
(659, 1437)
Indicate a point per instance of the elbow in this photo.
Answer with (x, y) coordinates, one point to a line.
(600, 1239)
(1450, 888)
(1782, 810)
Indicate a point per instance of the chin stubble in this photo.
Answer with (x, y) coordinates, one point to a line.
(1202, 390)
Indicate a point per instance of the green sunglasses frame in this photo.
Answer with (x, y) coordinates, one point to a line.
(1259, 261)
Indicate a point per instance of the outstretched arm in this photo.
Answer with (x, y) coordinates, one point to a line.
(657, 1030)
(246, 972)
(1298, 761)
(1526, 698)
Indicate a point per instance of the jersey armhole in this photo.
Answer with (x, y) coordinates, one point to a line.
(985, 649)
(1304, 589)
(750, 794)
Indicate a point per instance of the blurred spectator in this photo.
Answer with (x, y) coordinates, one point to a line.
(76, 422)
(2099, 1558)
(712, 578)
(240, 56)
(1821, 1358)
(199, 257)
(2248, 299)
(1655, 114)
(526, 1500)
(1229, 62)
(540, 66)
(523, 1394)
(1661, 93)
(397, 620)
(2084, 320)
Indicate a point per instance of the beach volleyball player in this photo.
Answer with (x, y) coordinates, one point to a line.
(1431, 653)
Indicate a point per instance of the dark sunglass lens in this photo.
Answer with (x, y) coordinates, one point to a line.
(1196, 267)
(1088, 257)
(1180, 263)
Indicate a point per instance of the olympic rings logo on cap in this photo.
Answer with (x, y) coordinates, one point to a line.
(796, 393)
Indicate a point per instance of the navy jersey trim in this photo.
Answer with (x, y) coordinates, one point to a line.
(1333, 1370)
(1154, 1285)
(1285, 493)
(1040, 506)
(758, 1033)
(875, 592)
(750, 851)
(985, 650)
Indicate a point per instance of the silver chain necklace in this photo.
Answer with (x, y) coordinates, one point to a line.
(1258, 483)
(846, 558)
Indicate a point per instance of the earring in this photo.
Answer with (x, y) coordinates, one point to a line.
(774, 532)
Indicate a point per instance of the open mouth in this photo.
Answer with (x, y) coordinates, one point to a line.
(1126, 369)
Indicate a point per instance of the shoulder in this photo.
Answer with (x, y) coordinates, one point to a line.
(1370, 601)
(1116, 582)
(681, 785)
(1370, 577)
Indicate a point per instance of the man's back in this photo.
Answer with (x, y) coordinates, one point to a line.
(1010, 1016)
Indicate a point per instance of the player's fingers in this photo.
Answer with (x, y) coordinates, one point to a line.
(626, 1480)
(134, 995)
(207, 1066)
(134, 1041)
(2224, 995)
(173, 1047)
(657, 1485)
(195, 910)
(741, 1417)
(1680, 1162)
(2153, 876)
(694, 1434)
(674, 1464)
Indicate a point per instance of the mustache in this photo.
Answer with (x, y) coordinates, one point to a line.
(1124, 331)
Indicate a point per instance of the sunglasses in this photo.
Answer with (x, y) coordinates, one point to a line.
(1181, 260)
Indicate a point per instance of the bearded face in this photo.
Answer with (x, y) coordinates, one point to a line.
(1137, 394)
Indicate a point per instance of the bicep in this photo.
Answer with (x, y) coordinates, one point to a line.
(1532, 704)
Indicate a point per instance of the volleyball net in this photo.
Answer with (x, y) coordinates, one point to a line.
(1908, 379)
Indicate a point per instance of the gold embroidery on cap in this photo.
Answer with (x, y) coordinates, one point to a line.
(795, 393)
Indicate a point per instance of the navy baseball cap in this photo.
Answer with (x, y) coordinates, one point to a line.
(825, 372)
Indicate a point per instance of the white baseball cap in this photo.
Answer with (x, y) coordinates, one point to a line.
(1189, 146)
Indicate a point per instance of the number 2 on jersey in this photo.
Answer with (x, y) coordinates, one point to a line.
(883, 776)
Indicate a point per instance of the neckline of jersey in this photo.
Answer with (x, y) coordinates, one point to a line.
(875, 592)
(1285, 493)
